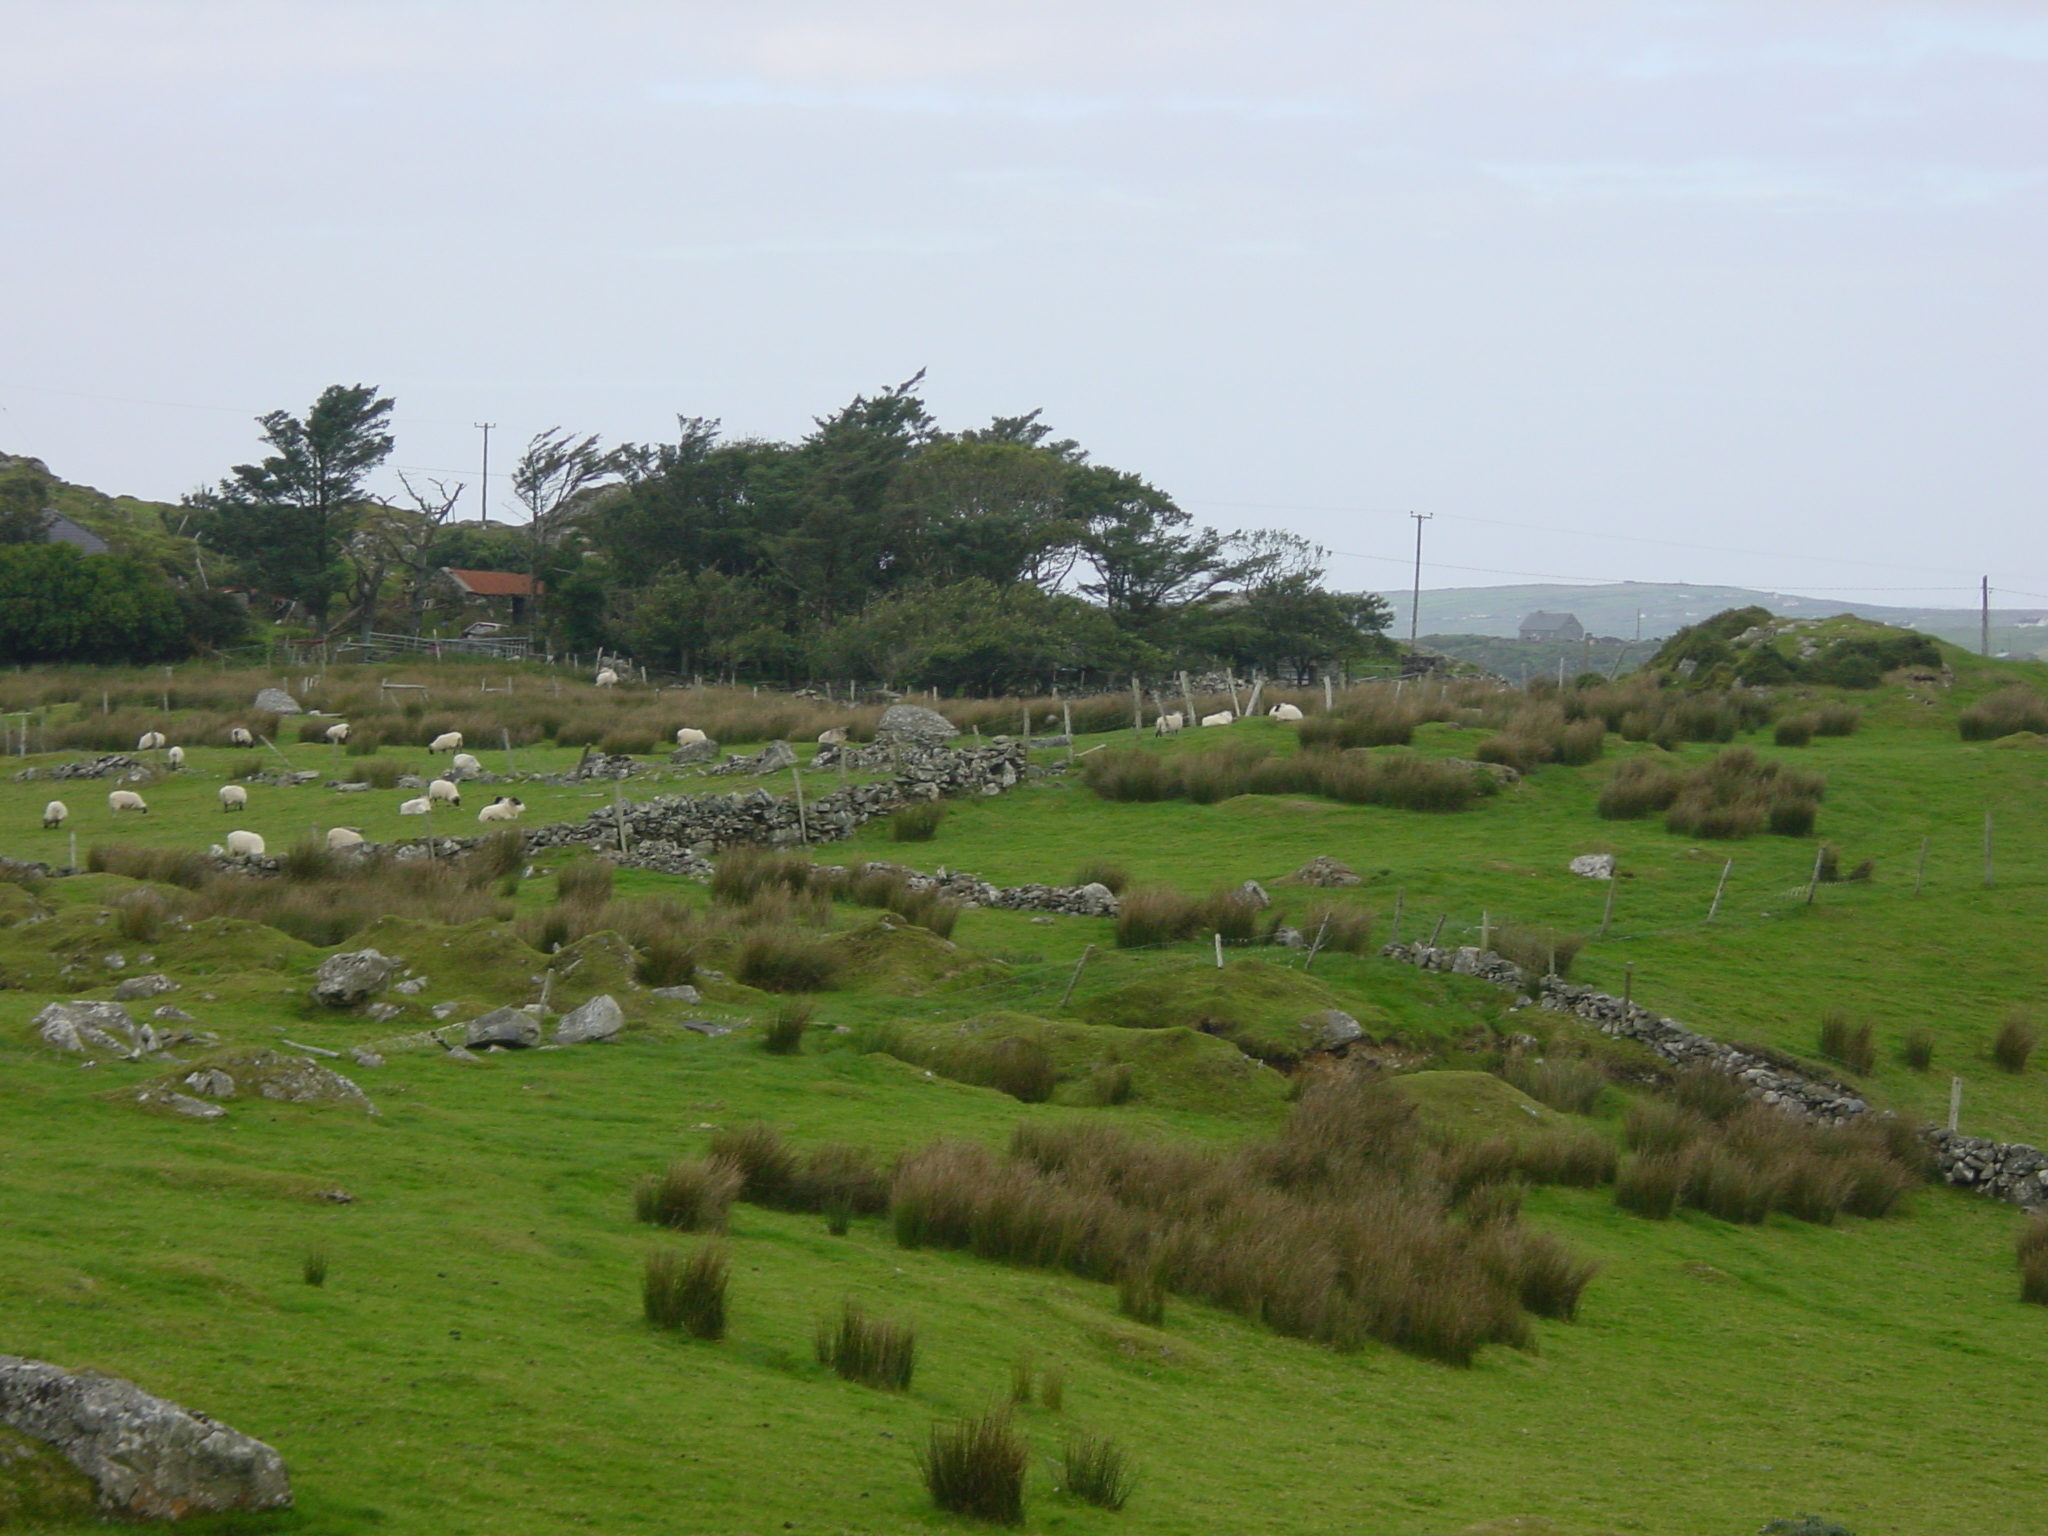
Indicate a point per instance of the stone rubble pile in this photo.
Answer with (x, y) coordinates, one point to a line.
(2006, 1170)
(86, 768)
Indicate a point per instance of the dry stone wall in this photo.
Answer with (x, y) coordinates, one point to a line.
(2010, 1171)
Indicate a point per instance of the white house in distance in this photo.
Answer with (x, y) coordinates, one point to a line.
(1552, 626)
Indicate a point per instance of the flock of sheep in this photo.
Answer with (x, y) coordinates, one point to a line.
(235, 797)
(1167, 725)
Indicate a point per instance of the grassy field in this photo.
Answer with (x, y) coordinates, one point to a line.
(476, 1361)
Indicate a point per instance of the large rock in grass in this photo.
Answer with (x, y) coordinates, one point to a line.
(138, 987)
(93, 1028)
(599, 1019)
(1331, 1029)
(143, 1457)
(914, 725)
(1324, 871)
(705, 751)
(275, 701)
(277, 1076)
(345, 980)
(508, 1027)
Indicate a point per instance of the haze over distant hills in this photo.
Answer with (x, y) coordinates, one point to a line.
(1664, 607)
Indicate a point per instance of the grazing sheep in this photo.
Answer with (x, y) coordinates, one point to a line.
(416, 807)
(343, 837)
(126, 800)
(233, 797)
(54, 813)
(607, 678)
(690, 735)
(337, 733)
(245, 844)
(447, 741)
(240, 737)
(1285, 712)
(176, 758)
(1221, 717)
(836, 737)
(151, 740)
(444, 789)
(504, 808)
(1167, 725)
(463, 763)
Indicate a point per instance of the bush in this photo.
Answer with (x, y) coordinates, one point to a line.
(686, 1294)
(1096, 1471)
(842, 1180)
(1104, 873)
(1141, 1293)
(785, 960)
(1728, 1186)
(1656, 1128)
(867, 1350)
(917, 823)
(1538, 951)
(687, 1196)
(2032, 1253)
(975, 1467)
(1795, 731)
(1716, 1095)
(1805, 1525)
(1154, 915)
(1570, 1085)
(1108, 1085)
(1837, 720)
(1345, 929)
(1021, 1067)
(755, 1151)
(313, 1267)
(1403, 781)
(1918, 1050)
(1851, 1045)
(308, 859)
(2004, 713)
(746, 873)
(785, 1032)
(377, 772)
(587, 879)
(162, 866)
(2013, 1043)
(1650, 1185)
(1639, 786)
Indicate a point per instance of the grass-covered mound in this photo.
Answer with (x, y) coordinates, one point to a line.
(1266, 1009)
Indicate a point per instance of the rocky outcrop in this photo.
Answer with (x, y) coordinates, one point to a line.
(93, 1028)
(1332, 1029)
(507, 1028)
(138, 987)
(147, 1459)
(1594, 866)
(275, 701)
(599, 1019)
(114, 765)
(345, 980)
(773, 758)
(914, 725)
(278, 1076)
(1325, 872)
(705, 751)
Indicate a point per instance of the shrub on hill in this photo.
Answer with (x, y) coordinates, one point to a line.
(2004, 713)
(1732, 795)
(59, 605)
(975, 1467)
(1402, 781)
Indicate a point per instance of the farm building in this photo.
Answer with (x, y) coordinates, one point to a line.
(503, 594)
(1552, 626)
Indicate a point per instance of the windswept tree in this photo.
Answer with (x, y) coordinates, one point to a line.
(552, 480)
(285, 523)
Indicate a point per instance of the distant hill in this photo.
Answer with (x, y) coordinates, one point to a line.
(1665, 607)
(150, 529)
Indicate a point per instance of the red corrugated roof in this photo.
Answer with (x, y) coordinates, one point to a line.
(493, 583)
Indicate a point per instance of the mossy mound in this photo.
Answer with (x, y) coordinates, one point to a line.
(38, 1486)
(1169, 1068)
(1475, 1106)
(597, 962)
(483, 964)
(1261, 1008)
(902, 957)
(276, 1076)
(2023, 740)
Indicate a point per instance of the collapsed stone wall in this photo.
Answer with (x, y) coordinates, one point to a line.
(2010, 1171)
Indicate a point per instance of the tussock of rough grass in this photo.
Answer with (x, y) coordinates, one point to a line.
(688, 1196)
(1096, 1470)
(867, 1350)
(686, 1294)
(975, 1467)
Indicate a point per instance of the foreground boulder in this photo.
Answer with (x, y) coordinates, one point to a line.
(508, 1027)
(1324, 871)
(275, 701)
(259, 1074)
(93, 1028)
(345, 980)
(145, 1458)
(599, 1019)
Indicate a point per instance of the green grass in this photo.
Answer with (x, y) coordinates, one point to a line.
(476, 1359)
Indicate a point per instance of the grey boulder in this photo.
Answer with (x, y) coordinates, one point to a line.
(599, 1019)
(147, 1459)
(683, 994)
(695, 752)
(1252, 894)
(1331, 1028)
(275, 701)
(1594, 866)
(345, 980)
(1324, 871)
(93, 1027)
(914, 725)
(503, 1026)
(136, 987)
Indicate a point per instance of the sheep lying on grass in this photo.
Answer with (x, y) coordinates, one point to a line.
(1285, 712)
(344, 837)
(1221, 717)
(504, 808)
(418, 806)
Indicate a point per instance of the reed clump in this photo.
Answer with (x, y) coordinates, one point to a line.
(868, 1350)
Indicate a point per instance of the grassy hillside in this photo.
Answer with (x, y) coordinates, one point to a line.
(476, 1360)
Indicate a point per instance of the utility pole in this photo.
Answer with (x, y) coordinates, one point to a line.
(1984, 623)
(1415, 607)
(483, 494)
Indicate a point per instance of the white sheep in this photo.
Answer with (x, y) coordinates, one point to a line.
(1167, 725)
(689, 735)
(54, 813)
(1221, 717)
(607, 678)
(245, 844)
(337, 733)
(445, 789)
(447, 741)
(151, 740)
(238, 736)
(418, 806)
(343, 837)
(176, 758)
(504, 808)
(233, 797)
(836, 737)
(126, 800)
(1285, 712)
(463, 763)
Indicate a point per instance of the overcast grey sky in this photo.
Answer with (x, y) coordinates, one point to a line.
(1744, 293)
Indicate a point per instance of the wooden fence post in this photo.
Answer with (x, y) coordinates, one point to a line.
(1719, 887)
(1074, 980)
